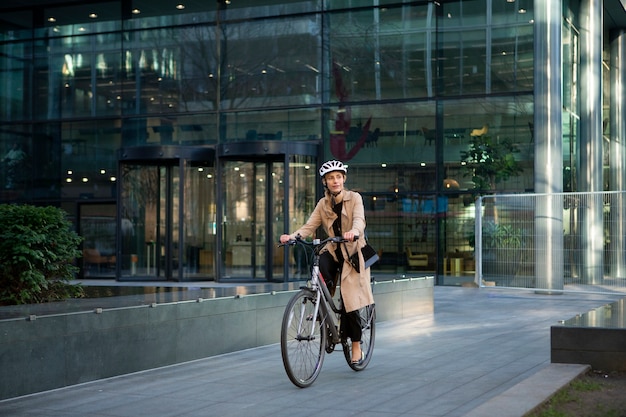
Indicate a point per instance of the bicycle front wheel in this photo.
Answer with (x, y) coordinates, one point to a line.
(302, 339)
(367, 318)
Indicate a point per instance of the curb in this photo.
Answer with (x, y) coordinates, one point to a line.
(530, 393)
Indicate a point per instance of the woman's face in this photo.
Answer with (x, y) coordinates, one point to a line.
(334, 181)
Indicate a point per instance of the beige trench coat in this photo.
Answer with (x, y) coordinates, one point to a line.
(356, 289)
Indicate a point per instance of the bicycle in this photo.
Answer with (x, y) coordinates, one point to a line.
(311, 325)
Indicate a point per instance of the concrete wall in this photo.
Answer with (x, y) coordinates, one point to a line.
(601, 348)
(47, 352)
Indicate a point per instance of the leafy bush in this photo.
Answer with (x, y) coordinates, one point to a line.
(38, 249)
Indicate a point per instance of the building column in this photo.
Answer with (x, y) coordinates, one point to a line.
(618, 150)
(590, 143)
(548, 144)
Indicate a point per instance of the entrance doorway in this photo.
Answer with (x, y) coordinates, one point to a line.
(253, 196)
(167, 215)
(187, 214)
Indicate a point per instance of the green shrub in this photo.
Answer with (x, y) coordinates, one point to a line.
(38, 249)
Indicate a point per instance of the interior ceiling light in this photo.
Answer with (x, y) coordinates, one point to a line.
(93, 15)
(52, 19)
(136, 11)
(180, 6)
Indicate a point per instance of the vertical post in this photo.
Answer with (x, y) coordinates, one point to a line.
(590, 144)
(548, 144)
(618, 150)
(478, 241)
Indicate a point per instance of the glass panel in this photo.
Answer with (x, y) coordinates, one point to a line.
(140, 208)
(571, 118)
(344, 4)
(150, 13)
(239, 215)
(302, 200)
(252, 190)
(184, 130)
(382, 134)
(277, 61)
(458, 231)
(97, 227)
(506, 13)
(400, 210)
(298, 124)
(81, 19)
(464, 13)
(46, 168)
(464, 61)
(15, 97)
(16, 150)
(381, 53)
(512, 59)
(88, 159)
(16, 25)
(107, 71)
(161, 61)
(170, 221)
(47, 80)
(199, 221)
(497, 118)
(246, 9)
(196, 130)
(259, 216)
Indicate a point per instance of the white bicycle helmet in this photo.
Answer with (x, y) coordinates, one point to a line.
(331, 166)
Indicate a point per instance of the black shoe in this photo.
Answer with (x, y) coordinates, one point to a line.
(359, 360)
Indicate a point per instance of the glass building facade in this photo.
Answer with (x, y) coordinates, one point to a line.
(183, 137)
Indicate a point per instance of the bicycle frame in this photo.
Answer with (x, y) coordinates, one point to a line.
(327, 305)
(319, 287)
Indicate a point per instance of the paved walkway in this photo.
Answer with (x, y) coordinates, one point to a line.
(484, 353)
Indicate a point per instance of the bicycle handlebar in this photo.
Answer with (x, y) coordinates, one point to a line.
(318, 242)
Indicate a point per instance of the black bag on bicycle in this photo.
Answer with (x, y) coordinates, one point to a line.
(370, 256)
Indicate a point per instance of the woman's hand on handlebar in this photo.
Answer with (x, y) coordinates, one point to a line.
(350, 236)
(284, 238)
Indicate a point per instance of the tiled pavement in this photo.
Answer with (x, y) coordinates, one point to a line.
(483, 353)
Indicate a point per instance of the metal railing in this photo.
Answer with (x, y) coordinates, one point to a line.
(554, 242)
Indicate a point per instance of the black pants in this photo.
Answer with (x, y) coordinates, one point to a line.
(330, 271)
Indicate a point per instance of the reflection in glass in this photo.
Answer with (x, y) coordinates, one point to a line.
(140, 205)
(199, 221)
(97, 227)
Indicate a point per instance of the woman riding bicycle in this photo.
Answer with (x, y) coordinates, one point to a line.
(341, 213)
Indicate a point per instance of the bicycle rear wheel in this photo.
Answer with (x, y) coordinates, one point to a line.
(368, 336)
(302, 339)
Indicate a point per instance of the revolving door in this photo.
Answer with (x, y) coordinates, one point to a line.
(167, 214)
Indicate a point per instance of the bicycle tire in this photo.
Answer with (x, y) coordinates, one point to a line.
(368, 337)
(302, 340)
